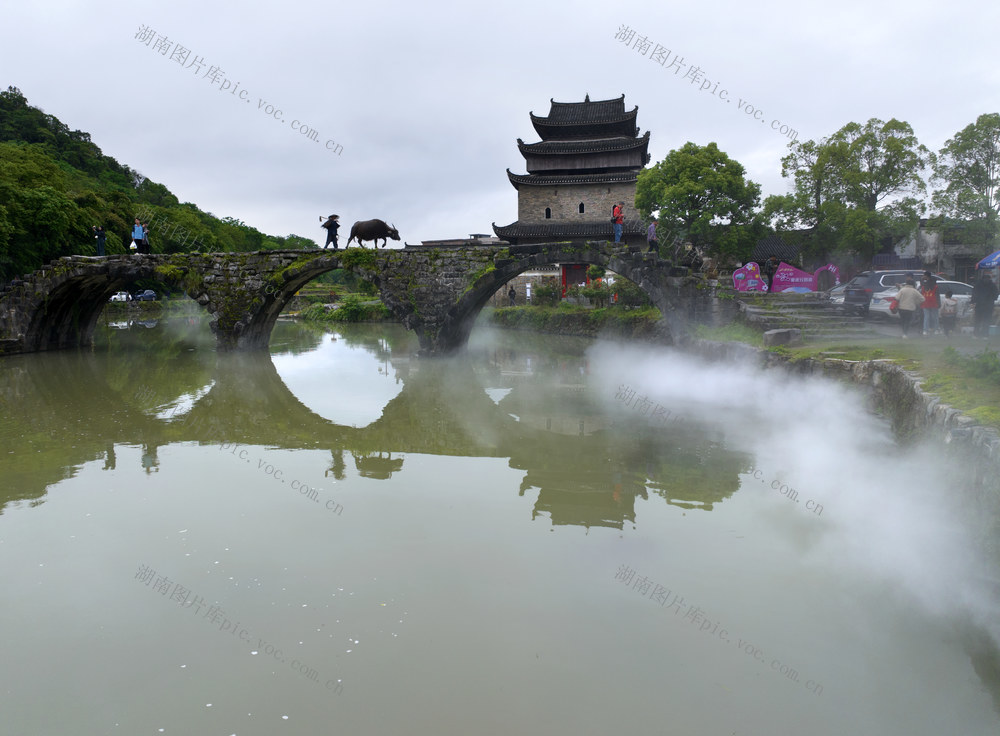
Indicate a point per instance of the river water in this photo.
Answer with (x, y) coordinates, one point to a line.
(540, 535)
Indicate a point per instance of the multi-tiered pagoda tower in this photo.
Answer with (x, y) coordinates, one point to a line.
(587, 161)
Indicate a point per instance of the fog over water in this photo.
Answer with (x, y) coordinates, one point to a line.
(898, 515)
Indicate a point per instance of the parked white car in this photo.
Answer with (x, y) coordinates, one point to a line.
(121, 296)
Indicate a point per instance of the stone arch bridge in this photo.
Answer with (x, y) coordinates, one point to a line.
(435, 291)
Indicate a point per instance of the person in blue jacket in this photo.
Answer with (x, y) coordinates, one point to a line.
(137, 236)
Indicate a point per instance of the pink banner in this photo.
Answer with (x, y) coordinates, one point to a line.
(789, 277)
(748, 278)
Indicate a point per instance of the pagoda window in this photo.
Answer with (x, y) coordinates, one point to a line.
(548, 213)
(581, 208)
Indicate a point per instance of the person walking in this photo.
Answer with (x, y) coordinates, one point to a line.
(651, 241)
(145, 238)
(908, 301)
(512, 296)
(332, 224)
(984, 293)
(931, 303)
(618, 220)
(949, 313)
(100, 236)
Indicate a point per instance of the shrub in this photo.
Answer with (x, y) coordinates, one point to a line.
(351, 309)
(630, 295)
(546, 295)
(597, 293)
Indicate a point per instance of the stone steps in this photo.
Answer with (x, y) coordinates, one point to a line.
(816, 317)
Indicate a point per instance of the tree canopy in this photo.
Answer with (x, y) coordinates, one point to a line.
(969, 168)
(853, 190)
(702, 195)
(56, 184)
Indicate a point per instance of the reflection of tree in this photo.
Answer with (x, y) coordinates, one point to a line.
(380, 340)
(296, 338)
(337, 465)
(700, 473)
(593, 480)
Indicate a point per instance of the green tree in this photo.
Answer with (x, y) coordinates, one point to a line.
(703, 194)
(968, 169)
(809, 216)
(854, 190)
(878, 171)
(56, 184)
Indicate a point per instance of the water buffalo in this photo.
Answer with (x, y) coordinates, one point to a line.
(372, 230)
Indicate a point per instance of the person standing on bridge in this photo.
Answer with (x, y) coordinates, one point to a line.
(100, 236)
(331, 226)
(136, 246)
(651, 241)
(618, 219)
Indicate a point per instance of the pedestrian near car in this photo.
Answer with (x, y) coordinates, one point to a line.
(931, 303)
(651, 241)
(984, 293)
(908, 301)
(949, 313)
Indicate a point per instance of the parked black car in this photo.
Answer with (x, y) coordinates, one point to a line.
(859, 290)
(145, 296)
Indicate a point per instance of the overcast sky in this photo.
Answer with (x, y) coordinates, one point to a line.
(427, 99)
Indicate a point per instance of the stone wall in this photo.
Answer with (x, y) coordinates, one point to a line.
(565, 203)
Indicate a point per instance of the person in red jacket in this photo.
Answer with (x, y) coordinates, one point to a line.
(618, 218)
(928, 288)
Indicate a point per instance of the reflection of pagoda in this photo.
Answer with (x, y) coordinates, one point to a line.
(587, 161)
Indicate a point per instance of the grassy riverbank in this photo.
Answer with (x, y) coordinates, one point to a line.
(963, 372)
(352, 308)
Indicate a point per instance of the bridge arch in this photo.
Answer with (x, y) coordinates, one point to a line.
(252, 329)
(60, 308)
(643, 270)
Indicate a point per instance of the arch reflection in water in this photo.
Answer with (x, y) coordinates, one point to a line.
(366, 379)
